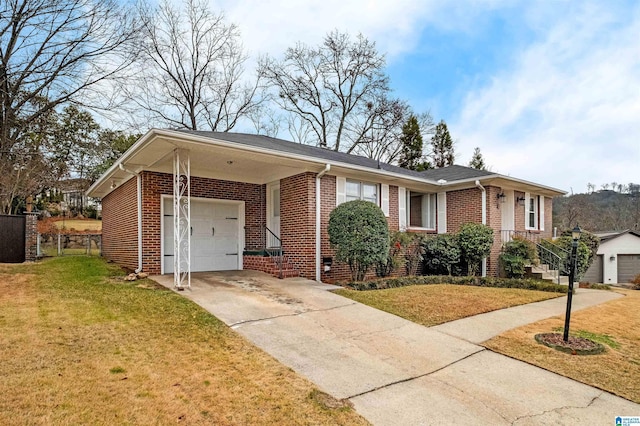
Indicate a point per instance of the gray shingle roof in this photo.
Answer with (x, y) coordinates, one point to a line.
(455, 172)
(451, 173)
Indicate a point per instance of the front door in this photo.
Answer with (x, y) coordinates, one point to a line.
(507, 208)
(273, 213)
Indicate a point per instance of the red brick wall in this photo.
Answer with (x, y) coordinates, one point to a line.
(494, 220)
(394, 217)
(463, 206)
(298, 221)
(156, 184)
(548, 219)
(120, 225)
(340, 271)
(518, 211)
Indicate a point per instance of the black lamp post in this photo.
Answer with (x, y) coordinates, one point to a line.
(575, 235)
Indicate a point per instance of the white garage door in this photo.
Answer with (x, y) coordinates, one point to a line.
(214, 236)
(628, 267)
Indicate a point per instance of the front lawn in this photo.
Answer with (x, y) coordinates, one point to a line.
(78, 346)
(438, 303)
(615, 324)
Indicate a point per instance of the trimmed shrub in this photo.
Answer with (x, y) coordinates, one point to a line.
(516, 254)
(359, 234)
(591, 241)
(526, 284)
(441, 254)
(395, 260)
(582, 255)
(475, 242)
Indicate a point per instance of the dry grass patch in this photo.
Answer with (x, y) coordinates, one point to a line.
(77, 347)
(435, 304)
(615, 324)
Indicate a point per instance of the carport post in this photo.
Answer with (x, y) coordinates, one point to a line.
(181, 219)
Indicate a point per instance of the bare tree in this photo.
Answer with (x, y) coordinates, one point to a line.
(338, 90)
(52, 52)
(191, 69)
(380, 133)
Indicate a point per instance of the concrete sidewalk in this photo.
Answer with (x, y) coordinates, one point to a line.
(479, 328)
(395, 371)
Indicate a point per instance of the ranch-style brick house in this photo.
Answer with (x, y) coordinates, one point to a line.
(187, 201)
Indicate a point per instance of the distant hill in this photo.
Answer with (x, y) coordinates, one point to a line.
(603, 210)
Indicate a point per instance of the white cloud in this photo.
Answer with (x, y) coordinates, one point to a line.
(567, 110)
(272, 26)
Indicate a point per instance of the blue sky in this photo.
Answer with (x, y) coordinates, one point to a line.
(549, 90)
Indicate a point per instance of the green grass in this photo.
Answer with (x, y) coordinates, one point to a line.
(604, 339)
(78, 345)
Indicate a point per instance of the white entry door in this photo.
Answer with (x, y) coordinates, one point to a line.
(214, 236)
(508, 212)
(273, 212)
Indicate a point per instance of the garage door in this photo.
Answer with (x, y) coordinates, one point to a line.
(628, 267)
(214, 236)
(594, 273)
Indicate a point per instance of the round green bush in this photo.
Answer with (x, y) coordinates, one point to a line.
(359, 234)
(475, 241)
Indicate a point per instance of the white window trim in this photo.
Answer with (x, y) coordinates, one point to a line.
(408, 212)
(362, 183)
(441, 213)
(402, 208)
(384, 199)
(541, 212)
(536, 207)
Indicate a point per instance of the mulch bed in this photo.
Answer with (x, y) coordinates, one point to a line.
(574, 345)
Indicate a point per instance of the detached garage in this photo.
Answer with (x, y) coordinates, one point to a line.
(618, 259)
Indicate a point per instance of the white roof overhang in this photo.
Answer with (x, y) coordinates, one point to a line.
(220, 159)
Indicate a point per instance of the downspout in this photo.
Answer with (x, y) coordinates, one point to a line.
(327, 167)
(139, 196)
(484, 221)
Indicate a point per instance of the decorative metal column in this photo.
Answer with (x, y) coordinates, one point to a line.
(181, 219)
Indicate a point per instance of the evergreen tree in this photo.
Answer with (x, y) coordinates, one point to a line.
(442, 146)
(411, 140)
(477, 162)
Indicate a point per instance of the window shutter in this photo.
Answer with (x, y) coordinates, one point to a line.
(541, 209)
(402, 208)
(527, 196)
(442, 212)
(384, 199)
(341, 190)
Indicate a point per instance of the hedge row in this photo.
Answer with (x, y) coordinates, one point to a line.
(527, 284)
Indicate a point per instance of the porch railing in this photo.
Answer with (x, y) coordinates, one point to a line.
(508, 235)
(272, 245)
(555, 257)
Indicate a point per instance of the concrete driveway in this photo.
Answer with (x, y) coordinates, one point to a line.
(397, 372)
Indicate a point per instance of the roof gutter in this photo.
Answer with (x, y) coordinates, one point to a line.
(484, 221)
(139, 200)
(319, 176)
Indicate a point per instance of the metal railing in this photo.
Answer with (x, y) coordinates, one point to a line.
(564, 266)
(272, 245)
(552, 260)
(507, 235)
(555, 257)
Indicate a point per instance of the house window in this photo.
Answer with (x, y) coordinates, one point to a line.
(532, 212)
(366, 191)
(422, 210)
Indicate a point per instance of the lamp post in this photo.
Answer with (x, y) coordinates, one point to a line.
(575, 235)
